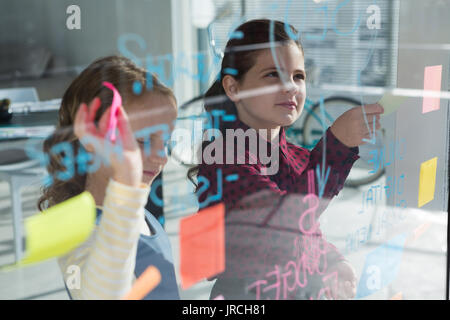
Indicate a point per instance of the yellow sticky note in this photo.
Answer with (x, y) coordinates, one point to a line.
(391, 103)
(427, 182)
(60, 229)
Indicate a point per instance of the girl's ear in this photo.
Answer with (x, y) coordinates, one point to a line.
(231, 87)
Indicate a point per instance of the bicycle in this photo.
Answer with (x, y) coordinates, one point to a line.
(316, 122)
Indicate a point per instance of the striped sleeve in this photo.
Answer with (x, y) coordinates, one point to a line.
(107, 259)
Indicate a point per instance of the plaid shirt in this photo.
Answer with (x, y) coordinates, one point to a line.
(294, 164)
(263, 232)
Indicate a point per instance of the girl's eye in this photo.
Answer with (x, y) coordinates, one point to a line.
(298, 76)
(272, 74)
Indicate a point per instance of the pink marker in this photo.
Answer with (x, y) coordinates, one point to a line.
(116, 103)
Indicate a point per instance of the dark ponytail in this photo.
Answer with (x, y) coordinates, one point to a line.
(217, 92)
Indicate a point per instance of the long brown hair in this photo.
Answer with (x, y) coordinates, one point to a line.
(123, 74)
(241, 59)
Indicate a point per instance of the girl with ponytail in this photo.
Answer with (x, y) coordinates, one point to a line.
(269, 231)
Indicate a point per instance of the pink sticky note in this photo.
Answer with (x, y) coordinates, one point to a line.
(432, 82)
(116, 103)
(202, 245)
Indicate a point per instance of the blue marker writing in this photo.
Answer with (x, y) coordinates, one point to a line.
(205, 187)
(147, 132)
(64, 149)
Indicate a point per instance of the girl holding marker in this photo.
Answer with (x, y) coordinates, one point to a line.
(262, 82)
(119, 168)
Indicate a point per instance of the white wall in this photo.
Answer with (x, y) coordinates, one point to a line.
(423, 23)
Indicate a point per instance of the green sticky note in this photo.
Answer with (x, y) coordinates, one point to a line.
(60, 229)
(390, 102)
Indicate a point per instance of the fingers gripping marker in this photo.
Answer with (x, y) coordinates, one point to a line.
(116, 103)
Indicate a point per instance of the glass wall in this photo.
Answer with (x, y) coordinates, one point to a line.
(331, 222)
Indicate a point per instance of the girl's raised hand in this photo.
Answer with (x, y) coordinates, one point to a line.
(351, 128)
(123, 154)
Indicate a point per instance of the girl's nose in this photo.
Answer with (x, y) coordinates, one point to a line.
(289, 86)
(157, 155)
(162, 160)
